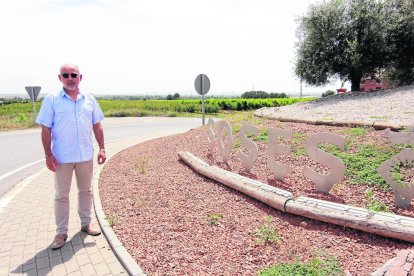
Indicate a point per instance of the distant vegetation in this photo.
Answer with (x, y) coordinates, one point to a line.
(328, 93)
(181, 106)
(262, 95)
(15, 115)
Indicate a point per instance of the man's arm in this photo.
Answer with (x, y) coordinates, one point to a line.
(51, 161)
(99, 136)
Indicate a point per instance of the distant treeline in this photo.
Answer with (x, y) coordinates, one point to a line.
(262, 95)
(4, 101)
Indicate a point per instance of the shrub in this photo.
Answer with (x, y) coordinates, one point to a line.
(328, 93)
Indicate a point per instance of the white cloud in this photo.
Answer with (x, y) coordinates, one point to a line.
(156, 47)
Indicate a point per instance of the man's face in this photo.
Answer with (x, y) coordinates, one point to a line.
(70, 77)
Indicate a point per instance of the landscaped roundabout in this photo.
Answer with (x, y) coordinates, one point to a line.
(176, 221)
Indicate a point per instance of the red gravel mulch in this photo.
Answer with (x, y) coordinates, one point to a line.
(161, 207)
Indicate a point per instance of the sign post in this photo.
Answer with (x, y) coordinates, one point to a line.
(202, 86)
(33, 92)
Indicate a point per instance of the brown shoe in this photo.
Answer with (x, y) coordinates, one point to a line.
(91, 230)
(59, 241)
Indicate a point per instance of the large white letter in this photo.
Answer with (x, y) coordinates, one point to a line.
(324, 183)
(211, 135)
(279, 169)
(224, 146)
(248, 159)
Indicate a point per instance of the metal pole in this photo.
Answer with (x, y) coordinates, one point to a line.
(34, 107)
(202, 101)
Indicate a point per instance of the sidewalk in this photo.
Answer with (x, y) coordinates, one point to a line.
(27, 228)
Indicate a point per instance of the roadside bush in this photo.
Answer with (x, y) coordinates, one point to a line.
(328, 93)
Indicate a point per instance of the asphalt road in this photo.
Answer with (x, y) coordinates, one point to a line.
(21, 152)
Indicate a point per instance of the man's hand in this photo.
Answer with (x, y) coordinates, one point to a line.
(101, 156)
(51, 163)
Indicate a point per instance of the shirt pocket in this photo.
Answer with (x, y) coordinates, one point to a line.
(86, 113)
(87, 107)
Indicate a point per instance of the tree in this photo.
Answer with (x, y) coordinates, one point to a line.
(255, 95)
(399, 16)
(169, 97)
(341, 38)
(176, 96)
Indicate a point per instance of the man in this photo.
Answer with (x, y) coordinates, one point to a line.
(68, 119)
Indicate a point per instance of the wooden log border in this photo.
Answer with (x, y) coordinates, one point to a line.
(384, 224)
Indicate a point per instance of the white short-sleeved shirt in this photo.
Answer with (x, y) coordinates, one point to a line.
(71, 124)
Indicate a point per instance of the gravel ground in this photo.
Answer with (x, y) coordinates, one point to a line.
(393, 106)
(161, 207)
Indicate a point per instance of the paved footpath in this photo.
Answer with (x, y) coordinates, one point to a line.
(27, 228)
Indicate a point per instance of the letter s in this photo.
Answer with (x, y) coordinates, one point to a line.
(248, 159)
(324, 183)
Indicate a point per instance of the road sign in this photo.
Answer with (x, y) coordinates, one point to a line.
(33, 92)
(202, 84)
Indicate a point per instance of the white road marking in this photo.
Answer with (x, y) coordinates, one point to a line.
(20, 168)
(5, 200)
(41, 160)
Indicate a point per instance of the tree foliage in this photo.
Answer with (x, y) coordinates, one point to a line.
(399, 16)
(262, 95)
(350, 39)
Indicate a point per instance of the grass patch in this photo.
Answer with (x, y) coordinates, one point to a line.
(263, 135)
(266, 233)
(403, 173)
(142, 165)
(357, 131)
(213, 219)
(326, 266)
(112, 219)
(362, 166)
(373, 204)
(299, 144)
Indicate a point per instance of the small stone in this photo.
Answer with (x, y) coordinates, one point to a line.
(303, 224)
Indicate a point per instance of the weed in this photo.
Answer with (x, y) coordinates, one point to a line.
(266, 233)
(329, 265)
(236, 144)
(298, 144)
(403, 173)
(111, 219)
(263, 135)
(22, 118)
(142, 166)
(213, 219)
(142, 202)
(358, 131)
(236, 129)
(373, 204)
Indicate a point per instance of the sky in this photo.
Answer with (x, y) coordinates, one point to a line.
(153, 47)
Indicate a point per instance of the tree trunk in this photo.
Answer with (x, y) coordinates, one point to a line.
(355, 81)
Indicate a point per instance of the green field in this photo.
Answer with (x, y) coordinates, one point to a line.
(20, 115)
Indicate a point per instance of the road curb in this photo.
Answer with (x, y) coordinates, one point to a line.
(375, 125)
(120, 252)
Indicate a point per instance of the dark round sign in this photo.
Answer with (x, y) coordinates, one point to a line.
(202, 84)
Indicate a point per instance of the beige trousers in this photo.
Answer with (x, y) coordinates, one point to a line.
(63, 180)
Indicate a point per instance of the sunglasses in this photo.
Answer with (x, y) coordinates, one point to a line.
(73, 75)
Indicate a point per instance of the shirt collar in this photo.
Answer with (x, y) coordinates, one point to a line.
(63, 93)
